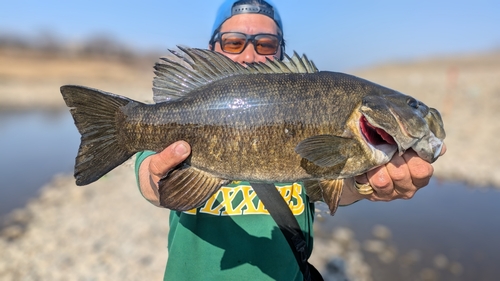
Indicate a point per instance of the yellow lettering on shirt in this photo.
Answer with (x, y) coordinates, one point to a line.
(228, 194)
(191, 212)
(209, 207)
(244, 198)
(298, 207)
(247, 205)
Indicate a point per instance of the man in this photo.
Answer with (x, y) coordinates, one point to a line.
(232, 237)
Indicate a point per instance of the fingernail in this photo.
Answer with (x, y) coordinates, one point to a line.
(180, 149)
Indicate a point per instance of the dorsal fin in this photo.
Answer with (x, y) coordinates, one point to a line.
(181, 72)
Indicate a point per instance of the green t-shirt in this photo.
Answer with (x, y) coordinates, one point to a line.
(233, 237)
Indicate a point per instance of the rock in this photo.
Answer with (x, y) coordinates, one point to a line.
(440, 261)
(381, 232)
(410, 258)
(11, 232)
(335, 270)
(374, 246)
(456, 268)
(343, 235)
(429, 274)
(388, 254)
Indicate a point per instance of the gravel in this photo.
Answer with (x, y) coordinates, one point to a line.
(107, 231)
(104, 231)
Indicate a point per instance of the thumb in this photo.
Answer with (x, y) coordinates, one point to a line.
(168, 158)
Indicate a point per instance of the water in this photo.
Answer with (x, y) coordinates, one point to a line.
(34, 147)
(447, 220)
(443, 219)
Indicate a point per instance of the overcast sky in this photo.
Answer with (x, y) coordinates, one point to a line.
(336, 35)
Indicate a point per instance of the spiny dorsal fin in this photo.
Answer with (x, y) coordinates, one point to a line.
(181, 72)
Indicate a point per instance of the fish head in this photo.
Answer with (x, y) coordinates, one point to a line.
(399, 120)
(430, 146)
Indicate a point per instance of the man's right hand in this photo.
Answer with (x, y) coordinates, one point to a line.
(156, 166)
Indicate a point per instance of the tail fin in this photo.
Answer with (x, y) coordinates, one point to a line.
(94, 112)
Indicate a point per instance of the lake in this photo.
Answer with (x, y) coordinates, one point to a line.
(35, 147)
(449, 230)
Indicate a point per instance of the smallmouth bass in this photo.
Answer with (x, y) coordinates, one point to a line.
(279, 121)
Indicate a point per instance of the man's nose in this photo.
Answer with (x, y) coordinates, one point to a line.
(249, 55)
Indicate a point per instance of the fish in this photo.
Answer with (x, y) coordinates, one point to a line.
(277, 121)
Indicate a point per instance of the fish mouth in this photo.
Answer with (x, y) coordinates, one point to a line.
(373, 135)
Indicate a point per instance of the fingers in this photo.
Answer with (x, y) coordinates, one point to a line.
(443, 150)
(167, 159)
(381, 182)
(398, 179)
(420, 170)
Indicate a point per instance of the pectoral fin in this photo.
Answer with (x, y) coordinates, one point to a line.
(328, 191)
(186, 188)
(324, 150)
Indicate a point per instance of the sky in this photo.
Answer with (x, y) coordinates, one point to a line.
(336, 34)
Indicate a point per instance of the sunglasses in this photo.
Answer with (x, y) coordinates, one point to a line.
(236, 42)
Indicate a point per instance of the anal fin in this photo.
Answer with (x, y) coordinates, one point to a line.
(186, 188)
(328, 191)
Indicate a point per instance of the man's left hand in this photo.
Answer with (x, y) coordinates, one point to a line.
(401, 178)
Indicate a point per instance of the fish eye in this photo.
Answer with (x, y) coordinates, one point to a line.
(413, 103)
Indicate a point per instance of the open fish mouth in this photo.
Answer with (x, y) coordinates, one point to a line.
(373, 135)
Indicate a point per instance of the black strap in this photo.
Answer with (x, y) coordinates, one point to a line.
(284, 218)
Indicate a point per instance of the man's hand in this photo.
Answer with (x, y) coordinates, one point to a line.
(398, 179)
(154, 167)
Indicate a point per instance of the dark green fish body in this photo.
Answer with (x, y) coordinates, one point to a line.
(250, 131)
(273, 122)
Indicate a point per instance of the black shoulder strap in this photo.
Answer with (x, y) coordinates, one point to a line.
(284, 218)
